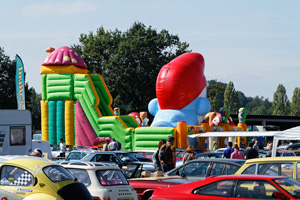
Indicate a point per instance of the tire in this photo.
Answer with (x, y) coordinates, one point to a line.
(147, 196)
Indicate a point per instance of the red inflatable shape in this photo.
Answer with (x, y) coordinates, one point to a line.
(180, 81)
(136, 116)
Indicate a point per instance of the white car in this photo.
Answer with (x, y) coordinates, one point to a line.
(102, 180)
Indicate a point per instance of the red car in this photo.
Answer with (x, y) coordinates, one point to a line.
(284, 153)
(144, 183)
(233, 187)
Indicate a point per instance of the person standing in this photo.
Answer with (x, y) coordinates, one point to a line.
(250, 152)
(167, 155)
(237, 154)
(113, 145)
(255, 146)
(269, 153)
(62, 148)
(155, 157)
(105, 146)
(228, 151)
(119, 146)
(189, 155)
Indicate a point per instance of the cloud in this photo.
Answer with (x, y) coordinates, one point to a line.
(58, 9)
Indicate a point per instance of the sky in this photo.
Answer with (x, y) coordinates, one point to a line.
(253, 43)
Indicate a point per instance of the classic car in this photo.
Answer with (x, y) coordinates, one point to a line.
(233, 187)
(103, 180)
(40, 178)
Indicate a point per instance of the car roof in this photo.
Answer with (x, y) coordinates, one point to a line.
(209, 153)
(276, 159)
(85, 150)
(217, 160)
(26, 161)
(288, 151)
(88, 165)
(246, 176)
(110, 152)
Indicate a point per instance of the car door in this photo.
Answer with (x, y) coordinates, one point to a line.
(253, 189)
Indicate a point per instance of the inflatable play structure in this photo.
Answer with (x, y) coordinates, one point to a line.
(76, 106)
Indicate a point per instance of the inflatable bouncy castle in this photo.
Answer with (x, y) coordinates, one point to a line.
(76, 106)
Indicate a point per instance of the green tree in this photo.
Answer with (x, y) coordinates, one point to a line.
(231, 99)
(130, 61)
(215, 94)
(259, 106)
(295, 105)
(8, 98)
(281, 103)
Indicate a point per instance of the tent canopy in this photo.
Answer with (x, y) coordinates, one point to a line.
(235, 134)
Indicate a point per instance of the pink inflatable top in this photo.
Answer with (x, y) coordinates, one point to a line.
(64, 56)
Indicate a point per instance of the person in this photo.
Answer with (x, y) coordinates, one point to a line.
(214, 147)
(155, 157)
(256, 146)
(228, 151)
(118, 146)
(242, 144)
(189, 155)
(105, 146)
(261, 141)
(169, 149)
(269, 153)
(237, 154)
(113, 145)
(250, 152)
(37, 153)
(62, 147)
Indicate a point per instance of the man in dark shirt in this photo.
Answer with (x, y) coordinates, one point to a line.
(250, 152)
(228, 151)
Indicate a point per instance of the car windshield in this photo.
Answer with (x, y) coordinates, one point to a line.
(127, 157)
(57, 173)
(111, 177)
(81, 175)
(290, 185)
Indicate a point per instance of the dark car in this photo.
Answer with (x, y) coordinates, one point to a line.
(199, 169)
(117, 157)
(295, 146)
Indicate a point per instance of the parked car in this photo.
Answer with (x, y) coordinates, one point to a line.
(117, 157)
(144, 182)
(140, 157)
(287, 166)
(209, 155)
(146, 153)
(199, 169)
(79, 154)
(233, 187)
(103, 181)
(55, 151)
(284, 153)
(295, 146)
(40, 178)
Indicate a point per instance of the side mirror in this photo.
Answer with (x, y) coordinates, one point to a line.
(278, 195)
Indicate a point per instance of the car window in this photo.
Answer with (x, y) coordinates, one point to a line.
(111, 177)
(198, 169)
(230, 169)
(57, 173)
(127, 157)
(105, 158)
(290, 185)
(250, 169)
(74, 156)
(217, 169)
(15, 176)
(81, 175)
(283, 169)
(253, 189)
(288, 154)
(221, 188)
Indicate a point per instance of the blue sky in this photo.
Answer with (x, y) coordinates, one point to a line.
(254, 43)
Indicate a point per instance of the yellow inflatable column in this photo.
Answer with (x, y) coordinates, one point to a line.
(44, 120)
(181, 134)
(69, 133)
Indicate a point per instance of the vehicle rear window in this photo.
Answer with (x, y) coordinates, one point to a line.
(57, 173)
(111, 177)
(282, 169)
(81, 175)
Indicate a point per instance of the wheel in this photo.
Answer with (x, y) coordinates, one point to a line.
(147, 196)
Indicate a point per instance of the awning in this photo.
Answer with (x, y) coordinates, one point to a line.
(235, 134)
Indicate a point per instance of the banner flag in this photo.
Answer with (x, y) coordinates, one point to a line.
(20, 86)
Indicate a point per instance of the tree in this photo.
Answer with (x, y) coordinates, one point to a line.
(281, 103)
(231, 99)
(215, 94)
(259, 106)
(130, 61)
(295, 105)
(8, 87)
